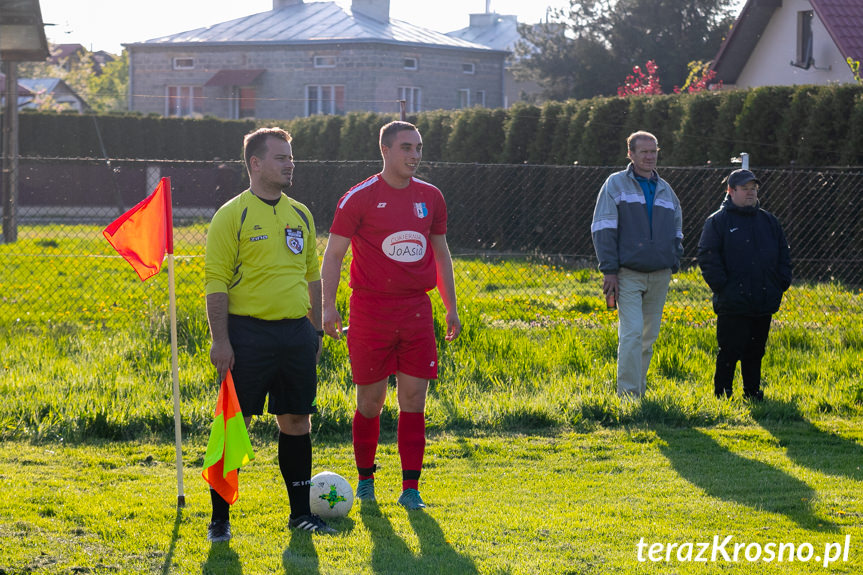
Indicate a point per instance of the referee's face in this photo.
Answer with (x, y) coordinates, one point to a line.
(277, 165)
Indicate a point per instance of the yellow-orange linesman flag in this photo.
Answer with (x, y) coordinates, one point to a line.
(229, 447)
(144, 234)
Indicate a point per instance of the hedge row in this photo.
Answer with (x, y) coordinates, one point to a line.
(778, 126)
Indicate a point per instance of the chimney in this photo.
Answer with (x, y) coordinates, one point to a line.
(376, 9)
(285, 3)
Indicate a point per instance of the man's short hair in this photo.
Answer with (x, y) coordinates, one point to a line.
(389, 131)
(255, 143)
(639, 135)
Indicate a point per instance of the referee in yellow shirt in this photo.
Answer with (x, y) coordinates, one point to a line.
(264, 309)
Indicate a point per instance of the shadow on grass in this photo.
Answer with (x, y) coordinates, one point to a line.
(702, 461)
(390, 554)
(301, 557)
(222, 560)
(806, 444)
(175, 534)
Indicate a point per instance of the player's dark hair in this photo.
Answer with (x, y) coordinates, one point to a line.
(389, 131)
(255, 143)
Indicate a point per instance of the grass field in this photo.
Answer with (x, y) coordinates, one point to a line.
(534, 465)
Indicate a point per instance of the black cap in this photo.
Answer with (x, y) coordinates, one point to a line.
(740, 177)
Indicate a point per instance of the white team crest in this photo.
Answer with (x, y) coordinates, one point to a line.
(406, 246)
(421, 209)
(294, 239)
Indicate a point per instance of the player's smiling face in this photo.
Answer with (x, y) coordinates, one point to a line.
(403, 157)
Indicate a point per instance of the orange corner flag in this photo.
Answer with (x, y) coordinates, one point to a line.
(145, 233)
(229, 447)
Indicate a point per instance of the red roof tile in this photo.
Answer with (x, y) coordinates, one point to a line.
(844, 22)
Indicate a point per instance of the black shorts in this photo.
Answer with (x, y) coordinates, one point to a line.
(275, 358)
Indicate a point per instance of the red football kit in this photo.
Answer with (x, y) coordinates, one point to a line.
(393, 266)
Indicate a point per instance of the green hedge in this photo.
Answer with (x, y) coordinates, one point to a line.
(778, 126)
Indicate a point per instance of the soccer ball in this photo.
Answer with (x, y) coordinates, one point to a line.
(331, 495)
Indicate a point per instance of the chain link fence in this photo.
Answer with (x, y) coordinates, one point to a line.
(518, 233)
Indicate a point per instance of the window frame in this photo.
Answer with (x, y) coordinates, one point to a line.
(185, 103)
(175, 63)
(334, 105)
(412, 95)
(416, 63)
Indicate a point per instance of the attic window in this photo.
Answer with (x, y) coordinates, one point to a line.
(411, 64)
(184, 63)
(804, 57)
(468, 68)
(325, 61)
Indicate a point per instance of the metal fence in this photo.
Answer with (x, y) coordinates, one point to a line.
(501, 218)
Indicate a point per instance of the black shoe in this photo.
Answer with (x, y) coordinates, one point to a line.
(219, 530)
(722, 393)
(757, 396)
(310, 522)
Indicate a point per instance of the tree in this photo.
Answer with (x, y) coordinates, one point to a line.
(108, 91)
(620, 34)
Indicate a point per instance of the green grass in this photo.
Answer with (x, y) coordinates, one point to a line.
(502, 504)
(534, 464)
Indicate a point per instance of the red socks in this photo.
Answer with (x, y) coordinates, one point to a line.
(366, 433)
(412, 444)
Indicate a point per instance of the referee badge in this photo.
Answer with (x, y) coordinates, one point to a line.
(294, 239)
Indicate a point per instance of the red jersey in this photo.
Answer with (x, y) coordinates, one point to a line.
(389, 230)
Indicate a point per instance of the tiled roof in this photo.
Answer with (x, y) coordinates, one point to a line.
(312, 22)
(844, 21)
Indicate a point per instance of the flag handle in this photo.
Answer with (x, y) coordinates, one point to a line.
(175, 373)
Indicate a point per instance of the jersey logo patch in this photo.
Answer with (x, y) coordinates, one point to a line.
(294, 239)
(407, 246)
(257, 238)
(382, 204)
(421, 209)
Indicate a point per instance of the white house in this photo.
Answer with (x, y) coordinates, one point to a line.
(791, 42)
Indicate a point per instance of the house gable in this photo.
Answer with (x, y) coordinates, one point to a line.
(763, 47)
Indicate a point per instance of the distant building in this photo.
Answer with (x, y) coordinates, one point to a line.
(57, 90)
(66, 56)
(305, 58)
(500, 32)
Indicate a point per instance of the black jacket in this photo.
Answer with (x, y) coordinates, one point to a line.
(745, 259)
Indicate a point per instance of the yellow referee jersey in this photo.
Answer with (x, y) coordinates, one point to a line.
(262, 256)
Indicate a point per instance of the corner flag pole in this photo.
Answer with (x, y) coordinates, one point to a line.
(175, 370)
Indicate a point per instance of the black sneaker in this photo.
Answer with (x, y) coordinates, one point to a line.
(757, 396)
(310, 522)
(219, 530)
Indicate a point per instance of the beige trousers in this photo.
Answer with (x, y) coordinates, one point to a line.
(640, 301)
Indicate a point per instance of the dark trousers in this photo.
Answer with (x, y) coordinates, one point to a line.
(741, 338)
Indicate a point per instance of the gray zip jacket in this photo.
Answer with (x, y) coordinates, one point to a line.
(622, 235)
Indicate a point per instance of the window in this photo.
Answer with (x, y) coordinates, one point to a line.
(468, 68)
(804, 40)
(325, 100)
(184, 100)
(411, 64)
(242, 103)
(325, 61)
(479, 99)
(184, 63)
(412, 97)
(463, 98)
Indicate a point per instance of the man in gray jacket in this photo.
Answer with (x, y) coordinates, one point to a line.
(638, 236)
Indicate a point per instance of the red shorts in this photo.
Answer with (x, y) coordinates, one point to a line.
(389, 334)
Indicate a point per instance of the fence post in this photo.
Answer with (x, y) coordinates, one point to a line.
(744, 160)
